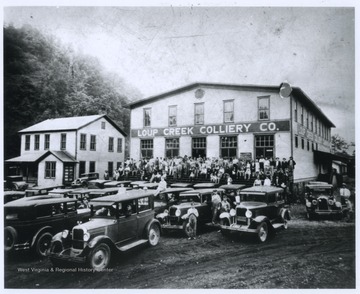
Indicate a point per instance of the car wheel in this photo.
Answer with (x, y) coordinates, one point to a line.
(190, 226)
(10, 237)
(263, 232)
(154, 235)
(99, 257)
(43, 244)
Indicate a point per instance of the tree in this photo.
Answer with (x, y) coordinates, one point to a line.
(338, 143)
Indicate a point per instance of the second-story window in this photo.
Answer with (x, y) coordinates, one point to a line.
(63, 142)
(103, 125)
(47, 142)
(147, 117)
(111, 144)
(82, 141)
(307, 118)
(295, 112)
(119, 145)
(92, 142)
(199, 113)
(302, 115)
(264, 108)
(229, 111)
(27, 142)
(37, 142)
(172, 116)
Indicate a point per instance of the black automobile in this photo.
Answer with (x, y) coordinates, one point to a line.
(84, 179)
(15, 183)
(31, 222)
(231, 191)
(166, 198)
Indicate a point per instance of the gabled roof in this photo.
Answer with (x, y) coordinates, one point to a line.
(296, 92)
(68, 124)
(36, 157)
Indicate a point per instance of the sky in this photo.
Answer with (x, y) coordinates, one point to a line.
(158, 48)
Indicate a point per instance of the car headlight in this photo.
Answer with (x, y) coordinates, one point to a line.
(232, 212)
(177, 212)
(86, 236)
(308, 203)
(248, 214)
(314, 202)
(331, 202)
(65, 234)
(338, 204)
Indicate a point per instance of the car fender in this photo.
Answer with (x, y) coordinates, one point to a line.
(39, 232)
(100, 239)
(57, 237)
(285, 214)
(259, 219)
(151, 222)
(162, 215)
(224, 215)
(190, 211)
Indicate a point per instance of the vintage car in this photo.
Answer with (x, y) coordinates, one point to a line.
(260, 211)
(41, 190)
(194, 204)
(96, 193)
(135, 184)
(166, 198)
(15, 183)
(113, 184)
(320, 201)
(13, 195)
(97, 184)
(60, 192)
(119, 222)
(84, 179)
(31, 222)
(181, 185)
(205, 186)
(231, 191)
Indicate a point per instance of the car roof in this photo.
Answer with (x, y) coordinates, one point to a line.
(181, 184)
(99, 181)
(14, 193)
(36, 201)
(61, 190)
(83, 190)
(105, 190)
(262, 189)
(202, 191)
(204, 185)
(322, 185)
(233, 186)
(177, 189)
(128, 195)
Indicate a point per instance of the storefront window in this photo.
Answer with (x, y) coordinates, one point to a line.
(146, 148)
(228, 147)
(264, 145)
(198, 147)
(172, 147)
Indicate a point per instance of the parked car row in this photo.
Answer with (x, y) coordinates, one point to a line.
(115, 219)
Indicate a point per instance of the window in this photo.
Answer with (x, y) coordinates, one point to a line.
(92, 142)
(37, 142)
(311, 122)
(47, 142)
(92, 167)
(103, 125)
(63, 142)
(264, 145)
(302, 143)
(111, 144)
(295, 112)
(68, 173)
(118, 164)
(228, 147)
(296, 141)
(27, 142)
(229, 111)
(264, 108)
(147, 117)
(172, 147)
(315, 125)
(308, 145)
(143, 204)
(307, 118)
(302, 115)
(119, 145)
(50, 169)
(312, 146)
(198, 147)
(110, 168)
(199, 113)
(172, 116)
(82, 141)
(82, 167)
(146, 147)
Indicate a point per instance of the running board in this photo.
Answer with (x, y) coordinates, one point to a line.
(132, 245)
(277, 226)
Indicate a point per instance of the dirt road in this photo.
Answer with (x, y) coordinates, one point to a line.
(309, 254)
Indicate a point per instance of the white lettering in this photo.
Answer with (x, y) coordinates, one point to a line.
(190, 131)
(177, 131)
(272, 126)
(231, 128)
(155, 132)
(209, 129)
(263, 125)
(239, 128)
(166, 132)
(203, 130)
(247, 127)
(183, 131)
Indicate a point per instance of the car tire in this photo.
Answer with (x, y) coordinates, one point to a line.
(10, 237)
(190, 226)
(263, 232)
(154, 235)
(42, 244)
(99, 257)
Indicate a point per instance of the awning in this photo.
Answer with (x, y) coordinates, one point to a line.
(36, 157)
(327, 157)
(339, 162)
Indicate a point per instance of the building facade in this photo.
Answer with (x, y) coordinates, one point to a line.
(243, 121)
(56, 151)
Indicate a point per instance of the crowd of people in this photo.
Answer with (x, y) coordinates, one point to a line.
(262, 170)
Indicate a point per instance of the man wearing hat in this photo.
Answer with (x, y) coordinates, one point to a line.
(344, 193)
(216, 205)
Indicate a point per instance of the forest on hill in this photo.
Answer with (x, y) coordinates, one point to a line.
(45, 79)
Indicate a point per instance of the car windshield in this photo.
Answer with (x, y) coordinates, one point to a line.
(253, 197)
(316, 192)
(190, 198)
(108, 210)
